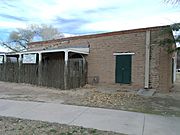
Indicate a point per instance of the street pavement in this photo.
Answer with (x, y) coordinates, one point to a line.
(131, 123)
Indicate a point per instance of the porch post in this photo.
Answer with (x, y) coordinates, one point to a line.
(20, 58)
(5, 59)
(174, 68)
(65, 69)
(40, 69)
(4, 67)
(19, 61)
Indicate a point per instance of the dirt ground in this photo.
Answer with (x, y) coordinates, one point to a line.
(14, 126)
(97, 96)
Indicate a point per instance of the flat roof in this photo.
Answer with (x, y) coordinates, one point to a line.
(99, 35)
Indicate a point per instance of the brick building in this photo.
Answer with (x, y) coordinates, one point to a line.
(131, 58)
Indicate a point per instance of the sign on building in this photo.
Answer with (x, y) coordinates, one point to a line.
(29, 58)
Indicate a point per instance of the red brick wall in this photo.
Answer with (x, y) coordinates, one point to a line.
(101, 61)
(160, 63)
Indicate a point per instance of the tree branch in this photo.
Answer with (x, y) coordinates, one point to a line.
(6, 45)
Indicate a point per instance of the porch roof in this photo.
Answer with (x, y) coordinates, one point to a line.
(80, 50)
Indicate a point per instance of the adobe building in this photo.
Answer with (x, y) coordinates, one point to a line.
(132, 58)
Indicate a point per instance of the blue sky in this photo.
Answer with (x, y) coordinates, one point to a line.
(86, 16)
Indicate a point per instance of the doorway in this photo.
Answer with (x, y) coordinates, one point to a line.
(123, 69)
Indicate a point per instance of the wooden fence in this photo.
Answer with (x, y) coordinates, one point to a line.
(76, 74)
(52, 73)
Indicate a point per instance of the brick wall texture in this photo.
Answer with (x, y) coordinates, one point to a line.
(102, 62)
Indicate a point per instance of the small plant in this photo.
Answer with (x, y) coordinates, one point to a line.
(93, 131)
(74, 131)
(53, 130)
(62, 133)
(69, 133)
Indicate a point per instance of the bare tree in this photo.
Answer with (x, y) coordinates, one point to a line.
(47, 32)
(21, 37)
(172, 1)
(8, 46)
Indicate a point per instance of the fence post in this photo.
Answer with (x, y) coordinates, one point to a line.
(65, 70)
(19, 68)
(40, 69)
(4, 67)
(83, 72)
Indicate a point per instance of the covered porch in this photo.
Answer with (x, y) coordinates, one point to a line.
(64, 68)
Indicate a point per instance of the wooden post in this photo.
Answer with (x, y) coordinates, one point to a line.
(19, 70)
(40, 69)
(65, 69)
(4, 68)
(5, 59)
(84, 71)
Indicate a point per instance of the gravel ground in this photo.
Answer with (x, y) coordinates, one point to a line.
(97, 96)
(14, 126)
(130, 102)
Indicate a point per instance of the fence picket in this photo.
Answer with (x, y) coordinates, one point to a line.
(51, 73)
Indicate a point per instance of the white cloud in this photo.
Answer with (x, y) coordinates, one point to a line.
(108, 15)
(131, 23)
(5, 24)
(69, 35)
(45, 10)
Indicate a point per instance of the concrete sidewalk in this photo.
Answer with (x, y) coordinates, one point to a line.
(104, 119)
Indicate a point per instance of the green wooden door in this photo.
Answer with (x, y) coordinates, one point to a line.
(123, 69)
